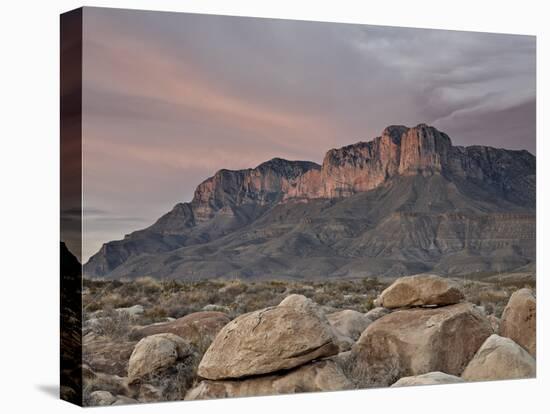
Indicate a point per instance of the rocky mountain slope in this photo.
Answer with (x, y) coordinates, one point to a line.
(406, 202)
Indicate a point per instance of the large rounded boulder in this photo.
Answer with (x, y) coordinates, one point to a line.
(316, 376)
(269, 340)
(417, 341)
(500, 358)
(420, 290)
(519, 320)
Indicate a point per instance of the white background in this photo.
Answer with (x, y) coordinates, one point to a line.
(29, 100)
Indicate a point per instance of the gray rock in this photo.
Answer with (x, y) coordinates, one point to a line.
(377, 313)
(349, 323)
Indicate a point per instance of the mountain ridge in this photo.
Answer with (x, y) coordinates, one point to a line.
(475, 180)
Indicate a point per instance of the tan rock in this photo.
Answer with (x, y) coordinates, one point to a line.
(317, 376)
(349, 323)
(500, 358)
(198, 328)
(301, 302)
(519, 320)
(269, 340)
(157, 352)
(431, 378)
(420, 290)
(418, 341)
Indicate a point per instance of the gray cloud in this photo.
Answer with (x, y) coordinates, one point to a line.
(169, 98)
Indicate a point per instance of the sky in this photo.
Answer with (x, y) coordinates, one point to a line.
(170, 98)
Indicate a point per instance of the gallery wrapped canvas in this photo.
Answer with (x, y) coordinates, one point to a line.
(257, 206)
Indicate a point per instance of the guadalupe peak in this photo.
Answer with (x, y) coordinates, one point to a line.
(365, 165)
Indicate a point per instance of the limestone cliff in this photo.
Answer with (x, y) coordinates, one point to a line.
(405, 201)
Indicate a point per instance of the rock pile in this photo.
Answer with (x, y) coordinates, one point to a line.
(418, 339)
(271, 351)
(434, 337)
(422, 333)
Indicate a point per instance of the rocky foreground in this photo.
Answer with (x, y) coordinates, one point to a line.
(421, 332)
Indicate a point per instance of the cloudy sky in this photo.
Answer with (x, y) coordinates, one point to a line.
(169, 98)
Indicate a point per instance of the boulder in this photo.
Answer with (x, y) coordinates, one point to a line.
(300, 302)
(269, 340)
(198, 328)
(98, 398)
(500, 358)
(316, 376)
(155, 353)
(519, 320)
(420, 290)
(417, 341)
(349, 323)
(431, 378)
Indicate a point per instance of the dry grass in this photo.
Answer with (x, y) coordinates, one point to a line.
(162, 299)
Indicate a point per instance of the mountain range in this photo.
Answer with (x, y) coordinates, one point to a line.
(405, 202)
